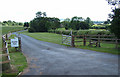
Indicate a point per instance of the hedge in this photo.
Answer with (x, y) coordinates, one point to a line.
(81, 32)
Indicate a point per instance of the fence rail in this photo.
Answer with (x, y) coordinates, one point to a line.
(95, 39)
(5, 48)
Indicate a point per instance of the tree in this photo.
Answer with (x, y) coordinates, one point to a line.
(84, 25)
(107, 22)
(20, 23)
(66, 23)
(43, 24)
(88, 21)
(44, 14)
(115, 23)
(55, 23)
(38, 14)
(78, 23)
(26, 24)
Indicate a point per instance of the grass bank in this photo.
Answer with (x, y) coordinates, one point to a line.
(57, 38)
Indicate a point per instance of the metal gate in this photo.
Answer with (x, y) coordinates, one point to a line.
(66, 39)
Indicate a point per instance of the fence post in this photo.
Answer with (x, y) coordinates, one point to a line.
(98, 40)
(6, 36)
(84, 40)
(19, 39)
(73, 45)
(116, 41)
(62, 38)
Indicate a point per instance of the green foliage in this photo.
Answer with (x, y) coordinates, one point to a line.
(78, 23)
(40, 14)
(26, 24)
(103, 26)
(66, 23)
(11, 23)
(107, 22)
(43, 24)
(88, 21)
(115, 24)
(81, 32)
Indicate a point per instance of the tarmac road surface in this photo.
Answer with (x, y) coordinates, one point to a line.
(52, 59)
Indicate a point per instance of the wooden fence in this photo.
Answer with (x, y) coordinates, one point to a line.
(5, 64)
(95, 40)
(6, 51)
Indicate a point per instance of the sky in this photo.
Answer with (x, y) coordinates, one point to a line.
(25, 10)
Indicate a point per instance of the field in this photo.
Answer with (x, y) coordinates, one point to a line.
(57, 38)
(11, 29)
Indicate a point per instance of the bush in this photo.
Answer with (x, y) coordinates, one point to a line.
(31, 30)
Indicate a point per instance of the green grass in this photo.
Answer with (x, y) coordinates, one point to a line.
(56, 38)
(101, 49)
(7, 29)
(48, 37)
(18, 60)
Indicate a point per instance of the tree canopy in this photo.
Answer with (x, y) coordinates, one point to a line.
(115, 23)
(43, 23)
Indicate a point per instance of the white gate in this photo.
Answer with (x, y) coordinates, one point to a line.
(66, 39)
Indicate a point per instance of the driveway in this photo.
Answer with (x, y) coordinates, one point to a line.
(52, 59)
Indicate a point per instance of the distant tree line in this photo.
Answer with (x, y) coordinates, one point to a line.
(77, 23)
(11, 23)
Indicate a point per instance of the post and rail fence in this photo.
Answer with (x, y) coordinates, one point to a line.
(95, 39)
(5, 47)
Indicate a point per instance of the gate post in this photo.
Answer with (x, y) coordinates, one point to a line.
(73, 45)
(84, 40)
(116, 41)
(99, 40)
(19, 39)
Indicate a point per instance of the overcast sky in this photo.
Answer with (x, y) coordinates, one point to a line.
(24, 10)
